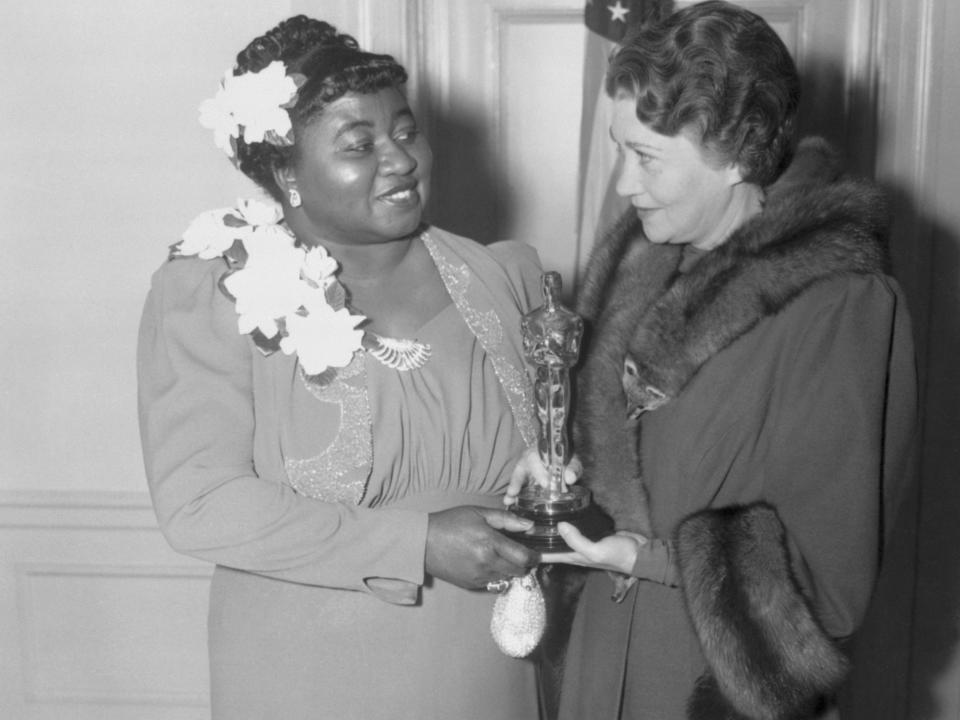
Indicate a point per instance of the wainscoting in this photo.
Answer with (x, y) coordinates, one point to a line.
(99, 619)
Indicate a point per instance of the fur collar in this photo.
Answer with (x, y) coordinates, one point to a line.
(651, 327)
(814, 225)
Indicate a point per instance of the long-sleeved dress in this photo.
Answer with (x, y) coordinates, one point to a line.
(313, 501)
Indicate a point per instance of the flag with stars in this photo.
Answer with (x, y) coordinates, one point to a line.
(611, 19)
(607, 22)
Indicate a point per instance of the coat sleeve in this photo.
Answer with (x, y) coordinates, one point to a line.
(767, 654)
(828, 444)
(769, 585)
(197, 423)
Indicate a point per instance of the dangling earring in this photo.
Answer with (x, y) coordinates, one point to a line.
(295, 198)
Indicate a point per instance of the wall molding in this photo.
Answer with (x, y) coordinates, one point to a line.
(500, 18)
(862, 76)
(38, 691)
(908, 38)
(435, 49)
(76, 509)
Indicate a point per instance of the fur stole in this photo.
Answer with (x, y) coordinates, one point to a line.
(650, 328)
(768, 656)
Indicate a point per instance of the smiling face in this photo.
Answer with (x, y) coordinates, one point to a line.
(362, 170)
(679, 196)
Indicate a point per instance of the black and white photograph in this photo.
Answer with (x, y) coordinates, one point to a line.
(480, 360)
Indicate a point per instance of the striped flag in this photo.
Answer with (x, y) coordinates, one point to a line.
(606, 23)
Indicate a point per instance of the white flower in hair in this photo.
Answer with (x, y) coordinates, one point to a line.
(216, 115)
(254, 105)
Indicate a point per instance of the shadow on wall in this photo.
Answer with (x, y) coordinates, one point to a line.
(843, 116)
(935, 619)
(910, 637)
(468, 195)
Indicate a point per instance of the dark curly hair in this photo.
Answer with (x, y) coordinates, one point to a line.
(333, 65)
(720, 71)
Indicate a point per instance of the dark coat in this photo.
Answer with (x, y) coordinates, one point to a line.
(779, 444)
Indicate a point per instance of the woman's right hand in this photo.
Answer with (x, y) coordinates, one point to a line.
(465, 547)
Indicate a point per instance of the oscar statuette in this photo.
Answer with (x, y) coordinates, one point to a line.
(551, 343)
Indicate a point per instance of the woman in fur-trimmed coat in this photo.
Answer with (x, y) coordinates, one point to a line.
(746, 400)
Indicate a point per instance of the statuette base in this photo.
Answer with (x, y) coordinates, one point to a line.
(572, 506)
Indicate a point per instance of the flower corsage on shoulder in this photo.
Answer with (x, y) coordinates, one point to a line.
(287, 297)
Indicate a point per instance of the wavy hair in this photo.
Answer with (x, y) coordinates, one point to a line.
(333, 64)
(720, 72)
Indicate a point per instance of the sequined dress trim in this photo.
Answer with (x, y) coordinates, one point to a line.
(340, 473)
(486, 326)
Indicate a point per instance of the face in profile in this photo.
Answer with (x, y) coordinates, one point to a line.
(678, 195)
(363, 169)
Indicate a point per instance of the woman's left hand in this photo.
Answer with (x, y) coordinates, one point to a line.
(530, 468)
(616, 553)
